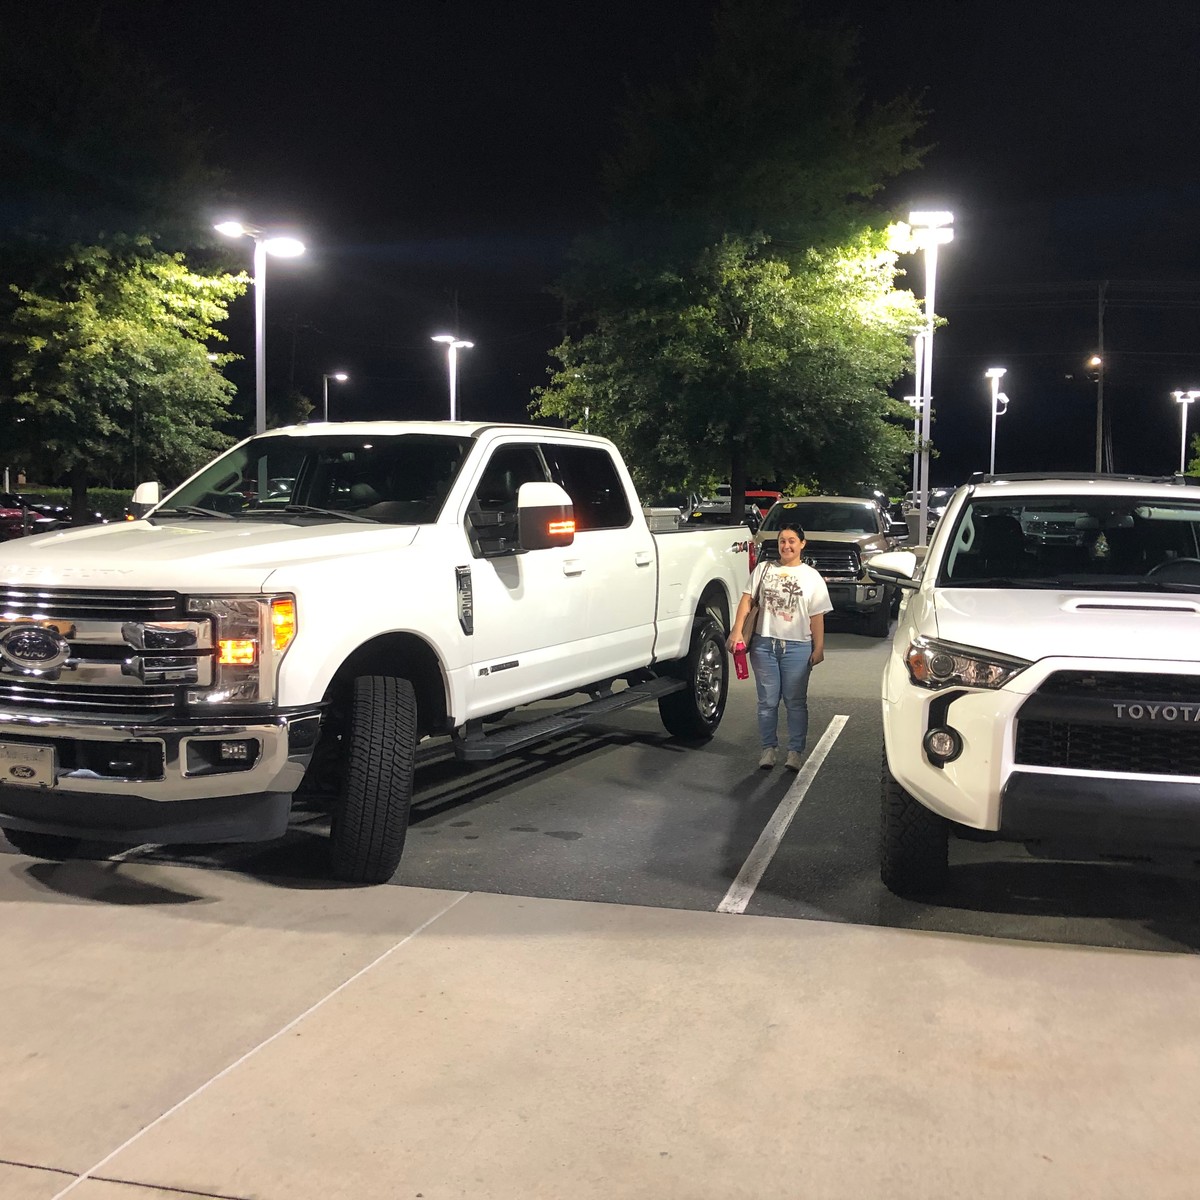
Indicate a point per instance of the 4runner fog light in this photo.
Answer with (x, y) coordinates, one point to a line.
(942, 745)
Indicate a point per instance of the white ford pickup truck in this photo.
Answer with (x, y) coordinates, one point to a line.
(300, 613)
(1044, 680)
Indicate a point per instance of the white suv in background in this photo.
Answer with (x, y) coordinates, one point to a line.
(1045, 690)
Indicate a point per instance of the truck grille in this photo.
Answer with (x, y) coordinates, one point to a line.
(61, 604)
(1071, 722)
(837, 561)
(93, 684)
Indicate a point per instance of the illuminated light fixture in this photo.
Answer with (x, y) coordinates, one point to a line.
(236, 652)
(283, 623)
(999, 399)
(280, 247)
(341, 377)
(453, 346)
(1183, 399)
(930, 229)
(560, 527)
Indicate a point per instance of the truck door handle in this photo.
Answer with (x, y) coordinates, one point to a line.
(643, 558)
(572, 566)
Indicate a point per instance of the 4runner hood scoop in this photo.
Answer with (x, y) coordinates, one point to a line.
(1046, 624)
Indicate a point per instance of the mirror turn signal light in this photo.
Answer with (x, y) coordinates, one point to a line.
(556, 528)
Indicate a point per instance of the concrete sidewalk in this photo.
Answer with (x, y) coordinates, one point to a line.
(166, 1029)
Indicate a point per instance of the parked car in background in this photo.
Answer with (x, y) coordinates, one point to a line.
(843, 533)
(763, 499)
(20, 517)
(716, 510)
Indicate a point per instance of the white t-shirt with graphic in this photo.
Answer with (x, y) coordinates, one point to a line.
(790, 597)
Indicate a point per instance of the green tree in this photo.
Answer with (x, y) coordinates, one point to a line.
(741, 367)
(111, 369)
(736, 316)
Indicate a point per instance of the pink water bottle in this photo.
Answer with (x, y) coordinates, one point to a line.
(740, 665)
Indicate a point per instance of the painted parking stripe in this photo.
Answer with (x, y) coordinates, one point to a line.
(754, 867)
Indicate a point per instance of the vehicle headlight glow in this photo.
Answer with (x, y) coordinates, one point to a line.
(251, 635)
(934, 664)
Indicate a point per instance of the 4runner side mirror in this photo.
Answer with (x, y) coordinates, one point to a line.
(545, 516)
(145, 497)
(894, 566)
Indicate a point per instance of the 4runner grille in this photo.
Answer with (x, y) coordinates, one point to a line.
(1125, 750)
(1073, 722)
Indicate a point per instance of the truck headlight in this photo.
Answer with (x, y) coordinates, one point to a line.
(251, 634)
(934, 664)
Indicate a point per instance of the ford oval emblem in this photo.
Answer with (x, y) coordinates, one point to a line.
(22, 772)
(31, 648)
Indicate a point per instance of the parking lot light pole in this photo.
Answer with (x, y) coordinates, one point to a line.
(995, 374)
(453, 346)
(929, 231)
(341, 377)
(1183, 399)
(280, 247)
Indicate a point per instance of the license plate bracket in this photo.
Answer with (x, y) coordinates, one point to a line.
(23, 764)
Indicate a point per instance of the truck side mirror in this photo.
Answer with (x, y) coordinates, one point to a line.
(145, 497)
(545, 516)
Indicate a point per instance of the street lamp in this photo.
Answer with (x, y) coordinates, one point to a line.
(1184, 399)
(995, 374)
(1096, 362)
(280, 247)
(929, 231)
(341, 377)
(453, 346)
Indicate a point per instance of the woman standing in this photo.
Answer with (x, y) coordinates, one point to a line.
(788, 643)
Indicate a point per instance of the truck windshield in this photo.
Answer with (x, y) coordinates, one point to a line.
(824, 517)
(398, 479)
(1109, 542)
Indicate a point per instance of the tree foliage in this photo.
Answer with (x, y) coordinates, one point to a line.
(736, 316)
(110, 364)
(741, 366)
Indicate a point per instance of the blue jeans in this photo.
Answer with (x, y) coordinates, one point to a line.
(781, 672)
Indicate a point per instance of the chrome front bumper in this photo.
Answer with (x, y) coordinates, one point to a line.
(165, 763)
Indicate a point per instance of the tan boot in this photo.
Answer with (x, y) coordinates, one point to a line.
(768, 758)
(795, 760)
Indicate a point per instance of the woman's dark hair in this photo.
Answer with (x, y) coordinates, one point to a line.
(794, 527)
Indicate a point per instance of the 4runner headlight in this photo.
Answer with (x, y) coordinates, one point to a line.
(935, 664)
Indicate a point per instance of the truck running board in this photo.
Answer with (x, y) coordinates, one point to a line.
(485, 747)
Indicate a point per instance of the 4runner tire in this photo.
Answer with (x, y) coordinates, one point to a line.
(914, 843)
(696, 711)
(370, 819)
(53, 846)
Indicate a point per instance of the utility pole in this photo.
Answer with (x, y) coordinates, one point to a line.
(1100, 379)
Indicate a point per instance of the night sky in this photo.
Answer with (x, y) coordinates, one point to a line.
(438, 158)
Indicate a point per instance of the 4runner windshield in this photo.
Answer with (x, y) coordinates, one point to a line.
(1079, 541)
(398, 479)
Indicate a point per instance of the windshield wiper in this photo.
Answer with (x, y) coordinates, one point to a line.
(997, 581)
(193, 510)
(308, 510)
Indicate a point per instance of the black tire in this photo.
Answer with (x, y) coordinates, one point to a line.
(53, 846)
(914, 854)
(696, 711)
(879, 619)
(370, 818)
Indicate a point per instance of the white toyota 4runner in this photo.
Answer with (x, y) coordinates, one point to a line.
(1044, 680)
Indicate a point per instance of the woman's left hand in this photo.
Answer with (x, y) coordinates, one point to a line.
(817, 656)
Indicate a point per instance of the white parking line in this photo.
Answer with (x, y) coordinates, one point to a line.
(312, 1008)
(753, 868)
